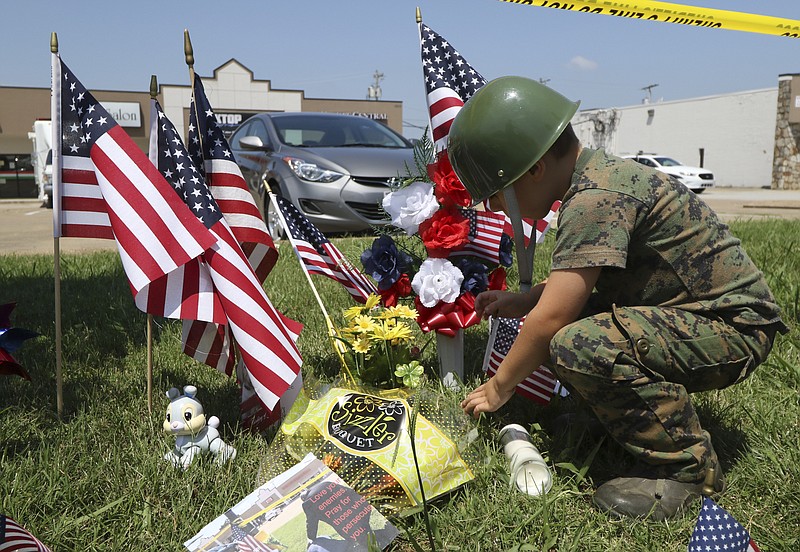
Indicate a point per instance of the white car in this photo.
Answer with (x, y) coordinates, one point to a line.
(694, 178)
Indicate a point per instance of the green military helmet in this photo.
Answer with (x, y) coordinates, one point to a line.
(503, 130)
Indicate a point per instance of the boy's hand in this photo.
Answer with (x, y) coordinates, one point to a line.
(486, 398)
(502, 303)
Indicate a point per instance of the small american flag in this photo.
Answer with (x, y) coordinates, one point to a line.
(207, 342)
(485, 231)
(717, 530)
(266, 345)
(246, 542)
(449, 82)
(528, 225)
(320, 256)
(108, 188)
(13, 538)
(539, 386)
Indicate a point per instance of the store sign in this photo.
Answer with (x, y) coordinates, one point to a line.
(229, 121)
(126, 114)
(375, 116)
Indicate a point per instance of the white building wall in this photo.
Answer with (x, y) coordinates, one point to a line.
(232, 89)
(736, 131)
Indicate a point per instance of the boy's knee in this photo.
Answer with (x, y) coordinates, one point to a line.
(584, 346)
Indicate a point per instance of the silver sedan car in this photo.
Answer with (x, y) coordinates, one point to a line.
(334, 168)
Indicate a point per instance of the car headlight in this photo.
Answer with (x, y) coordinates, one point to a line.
(683, 173)
(311, 171)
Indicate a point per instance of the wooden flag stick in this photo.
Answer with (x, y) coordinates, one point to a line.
(55, 117)
(338, 346)
(153, 96)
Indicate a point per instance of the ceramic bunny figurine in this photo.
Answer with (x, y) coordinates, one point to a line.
(185, 420)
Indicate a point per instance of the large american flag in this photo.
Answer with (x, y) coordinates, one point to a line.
(541, 385)
(105, 186)
(716, 530)
(485, 231)
(205, 341)
(449, 82)
(320, 256)
(265, 343)
(14, 538)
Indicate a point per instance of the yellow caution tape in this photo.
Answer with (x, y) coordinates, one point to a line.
(678, 14)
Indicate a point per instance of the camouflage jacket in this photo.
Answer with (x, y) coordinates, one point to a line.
(659, 244)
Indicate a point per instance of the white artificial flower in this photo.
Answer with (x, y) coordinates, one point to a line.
(411, 206)
(437, 280)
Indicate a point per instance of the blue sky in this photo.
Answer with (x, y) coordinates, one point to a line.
(331, 49)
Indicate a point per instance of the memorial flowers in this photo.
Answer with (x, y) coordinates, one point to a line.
(378, 339)
(462, 253)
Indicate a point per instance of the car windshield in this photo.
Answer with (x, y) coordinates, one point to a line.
(336, 132)
(667, 162)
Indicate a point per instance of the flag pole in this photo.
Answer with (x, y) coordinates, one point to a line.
(428, 130)
(55, 125)
(154, 159)
(338, 346)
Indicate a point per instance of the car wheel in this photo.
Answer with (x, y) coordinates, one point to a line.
(699, 190)
(273, 221)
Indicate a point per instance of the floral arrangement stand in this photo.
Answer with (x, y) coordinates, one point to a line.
(451, 358)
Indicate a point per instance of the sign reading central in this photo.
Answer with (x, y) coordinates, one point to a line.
(365, 422)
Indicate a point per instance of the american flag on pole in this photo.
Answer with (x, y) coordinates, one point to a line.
(246, 542)
(539, 386)
(266, 345)
(528, 225)
(716, 529)
(320, 256)
(449, 82)
(109, 188)
(14, 538)
(205, 341)
(485, 231)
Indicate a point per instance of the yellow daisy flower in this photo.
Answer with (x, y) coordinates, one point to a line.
(362, 324)
(361, 344)
(402, 311)
(352, 312)
(372, 301)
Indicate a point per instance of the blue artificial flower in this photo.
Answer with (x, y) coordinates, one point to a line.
(384, 262)
(476, 276)
(506, 250)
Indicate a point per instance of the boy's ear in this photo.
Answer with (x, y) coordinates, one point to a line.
(538, 169)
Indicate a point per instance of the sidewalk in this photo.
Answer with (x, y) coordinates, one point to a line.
(27, 228)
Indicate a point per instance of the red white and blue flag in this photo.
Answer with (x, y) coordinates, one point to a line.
(541, 385)
(14, 538)
(449, 82)
(485, 232)
(105, 186)
(320, 256)
(266, 345)
(716, 529)
(208, 342)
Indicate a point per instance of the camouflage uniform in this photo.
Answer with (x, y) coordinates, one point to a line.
(678, 308)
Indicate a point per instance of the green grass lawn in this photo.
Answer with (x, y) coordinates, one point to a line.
(96, 480)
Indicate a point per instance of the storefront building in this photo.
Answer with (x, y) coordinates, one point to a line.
(233, 91)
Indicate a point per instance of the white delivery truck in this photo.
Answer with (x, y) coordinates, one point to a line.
(42, 160)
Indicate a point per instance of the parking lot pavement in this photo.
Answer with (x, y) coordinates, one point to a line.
(27, 228)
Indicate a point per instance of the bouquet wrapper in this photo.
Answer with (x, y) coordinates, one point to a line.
(364, 435)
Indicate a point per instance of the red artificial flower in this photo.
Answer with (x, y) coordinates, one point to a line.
(449, 189)
(401, 288)
(444, 232)
(497, 279)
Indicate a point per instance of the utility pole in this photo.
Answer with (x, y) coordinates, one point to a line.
(374, 90)
(649, 89)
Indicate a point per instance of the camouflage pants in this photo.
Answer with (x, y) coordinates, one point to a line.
(635, 367)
